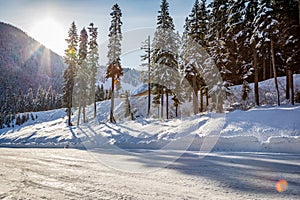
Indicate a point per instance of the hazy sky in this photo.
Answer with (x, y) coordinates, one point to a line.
(139, 20)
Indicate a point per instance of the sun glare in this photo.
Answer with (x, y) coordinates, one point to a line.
(50, 33)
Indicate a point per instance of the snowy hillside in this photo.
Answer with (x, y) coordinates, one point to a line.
(267, 92)
(129, 81)
(26, 63)
(271, 129)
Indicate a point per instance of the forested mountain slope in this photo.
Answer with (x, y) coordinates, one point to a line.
(25, 63)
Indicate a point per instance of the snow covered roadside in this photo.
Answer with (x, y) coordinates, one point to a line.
(271, 129)
(263, 129)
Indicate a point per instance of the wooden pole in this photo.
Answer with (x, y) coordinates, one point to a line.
(149, 84)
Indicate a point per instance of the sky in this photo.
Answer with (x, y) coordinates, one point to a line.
(48, 21)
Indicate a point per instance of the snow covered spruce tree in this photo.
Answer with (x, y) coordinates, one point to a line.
(29, 100)
(198, 20)
(93, 57)
(287, 15)
(235, 27)
(193, 51)
(216, 34)
(266, 31)
(214, 62)
(243, 41)
(239, 29)
(114, 69)
(164, 58)
(70, 59)
(218, 18)
(127, 106)
(254, 40)
(100, 93)
(82, 75)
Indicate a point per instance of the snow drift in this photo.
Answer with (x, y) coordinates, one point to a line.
(268, 129)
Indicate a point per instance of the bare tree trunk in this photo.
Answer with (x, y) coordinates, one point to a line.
(162, 102)
(83, 114)
(195, 102)
(149, 98)
(70, 109)
(220, 103)
(255, 75)
(195, 97)
(112, 101)
(190, 93)
(291, 79)
(206, 92)
(69, 116)
(167, 104)
(287, 88)
(264, 69)
(95, 108)
(79, 111)
(271, 70)
(149, 84)
(275, 71)
(201, 100)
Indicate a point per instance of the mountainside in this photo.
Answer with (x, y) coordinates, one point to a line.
(130, 80)
(26, 63)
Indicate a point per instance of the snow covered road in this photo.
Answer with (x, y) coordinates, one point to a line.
(78, 174)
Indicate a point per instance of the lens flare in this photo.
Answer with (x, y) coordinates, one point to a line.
(281, 185)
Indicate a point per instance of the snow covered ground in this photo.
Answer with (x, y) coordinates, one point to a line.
(235, 155)
(76, 174)
(267, 129)
(261, 129)
(267, 92)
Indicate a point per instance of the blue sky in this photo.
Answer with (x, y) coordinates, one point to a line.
(137, 15)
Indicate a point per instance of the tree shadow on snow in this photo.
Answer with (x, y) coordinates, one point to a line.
(246, 172)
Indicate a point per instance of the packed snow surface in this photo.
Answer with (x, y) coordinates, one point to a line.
(40, 173)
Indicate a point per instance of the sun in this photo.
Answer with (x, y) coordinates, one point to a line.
(50, 33)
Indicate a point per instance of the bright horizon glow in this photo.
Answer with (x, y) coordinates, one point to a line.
(50, 33)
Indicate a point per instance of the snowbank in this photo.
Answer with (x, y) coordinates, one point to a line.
(267, 129)
(267, 92)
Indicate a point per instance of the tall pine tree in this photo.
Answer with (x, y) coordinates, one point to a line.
(265, 35)
(93, 57)
(70, 73)
(114, 69)
(218, 18)
(193, 50)
(164, 57)
(287, 14)
(82, 74)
